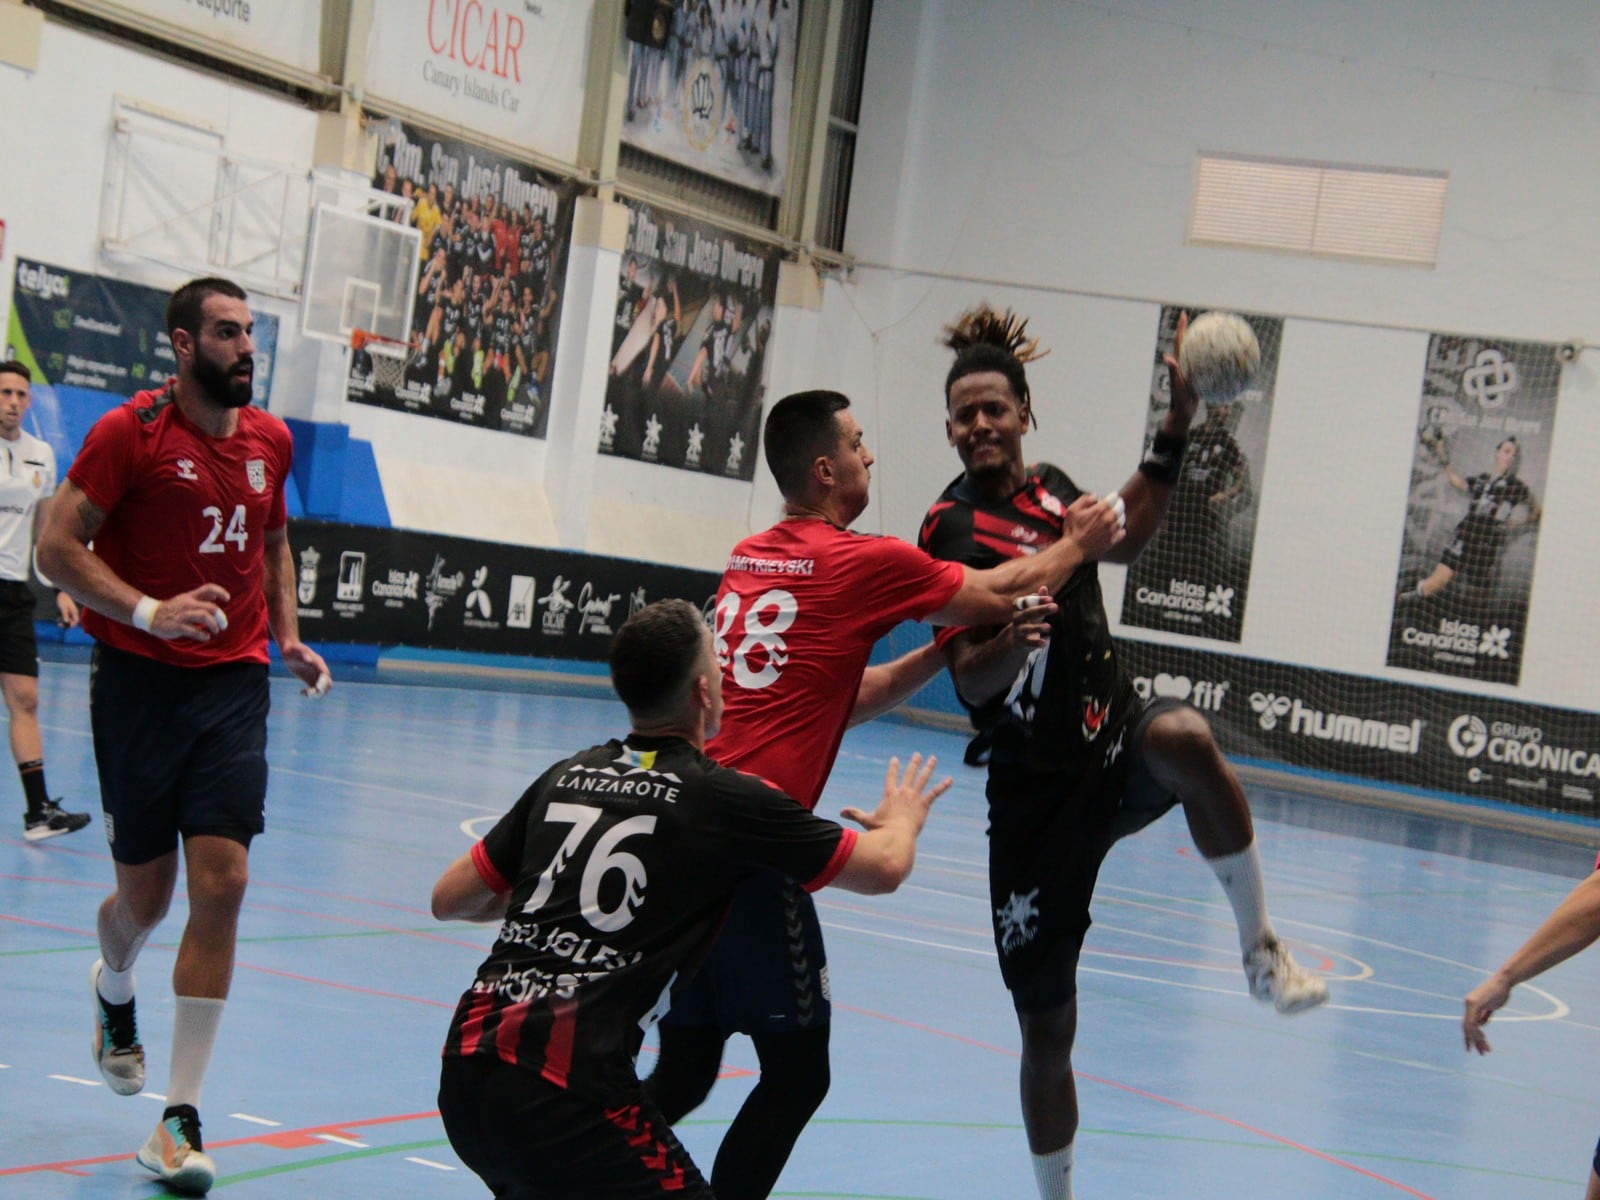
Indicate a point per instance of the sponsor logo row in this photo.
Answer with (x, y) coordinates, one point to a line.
(485, 602)
(1489, 745)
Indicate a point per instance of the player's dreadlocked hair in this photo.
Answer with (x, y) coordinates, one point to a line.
(985, 340)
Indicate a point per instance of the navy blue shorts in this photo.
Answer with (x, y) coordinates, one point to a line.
(1048, 834)
(180, 751)
(530, 1140)
(768, 971)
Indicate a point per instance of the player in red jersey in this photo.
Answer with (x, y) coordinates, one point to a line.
(798, 611)
(612, 874)
(181, 492)
(1076, 760)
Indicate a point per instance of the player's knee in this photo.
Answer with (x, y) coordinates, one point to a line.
(1181, 735)
(796, 1066)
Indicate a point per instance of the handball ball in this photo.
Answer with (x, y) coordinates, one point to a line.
(1219, 356)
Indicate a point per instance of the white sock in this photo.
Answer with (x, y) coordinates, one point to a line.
(1053, 1172)
(194, 1033)
(115, 987)
(1240, 876)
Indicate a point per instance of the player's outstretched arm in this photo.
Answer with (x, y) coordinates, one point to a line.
(884, 855)
(888, 684)
(461, 894)
(1573, 926)
(64, 554)
(1093, 527)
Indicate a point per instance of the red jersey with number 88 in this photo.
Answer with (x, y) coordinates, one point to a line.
(798, 612)
(182, 509)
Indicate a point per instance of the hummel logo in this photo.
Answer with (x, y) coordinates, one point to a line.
(186, 469)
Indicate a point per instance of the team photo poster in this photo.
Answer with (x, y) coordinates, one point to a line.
(494, 249)
(1194, 576)
(1481, 457)
(689, 345)
(717, 97)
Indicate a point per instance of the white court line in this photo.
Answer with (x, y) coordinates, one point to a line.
(255, 1120)
(76, 1080)
(156, 1096)
(428, 1162)
(341, 1141)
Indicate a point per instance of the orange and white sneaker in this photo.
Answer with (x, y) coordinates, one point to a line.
(174, 1152)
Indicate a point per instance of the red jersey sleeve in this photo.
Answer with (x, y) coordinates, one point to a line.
(103, 467)
(898, 582)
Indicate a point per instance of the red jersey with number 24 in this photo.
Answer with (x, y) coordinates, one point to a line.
(182, 509)
(798, 612)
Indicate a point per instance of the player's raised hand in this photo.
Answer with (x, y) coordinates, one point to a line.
(906, 796)
(1096, 525)
(196, 615)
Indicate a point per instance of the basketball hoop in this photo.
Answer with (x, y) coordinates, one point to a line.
(390, 356)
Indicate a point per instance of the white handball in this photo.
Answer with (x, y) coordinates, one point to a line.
(1219, 356)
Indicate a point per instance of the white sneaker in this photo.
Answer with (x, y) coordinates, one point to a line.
(116, 1047)
(1276, 979)
(173, 1152)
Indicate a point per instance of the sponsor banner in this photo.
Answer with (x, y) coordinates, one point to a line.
(494, 247)
(387, 587)
(689, 345)
(1194, 575)
(285, 31)
(1484, 430)
(1382, 730)
(74, 329)
(508, 69)
(717, 97)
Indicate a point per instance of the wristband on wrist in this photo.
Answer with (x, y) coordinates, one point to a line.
(1163, 461)
(144, 613)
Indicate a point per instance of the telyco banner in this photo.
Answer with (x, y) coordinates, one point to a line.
(74, 329)
(509, 69)
(388, 587)
(1194, 575)
(1377, 729)
(1484, 430)
(689, 345)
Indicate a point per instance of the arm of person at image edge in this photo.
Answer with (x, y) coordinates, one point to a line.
(1573, 926)
(874, 862)
(984, 661)
(66, 607)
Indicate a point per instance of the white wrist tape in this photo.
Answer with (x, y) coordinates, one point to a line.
(144, 612)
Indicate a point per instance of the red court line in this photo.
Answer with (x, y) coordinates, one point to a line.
(285, 1139)
(1159, 1099)
(348, 987)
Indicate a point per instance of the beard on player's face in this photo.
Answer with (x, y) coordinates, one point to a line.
(229, 384)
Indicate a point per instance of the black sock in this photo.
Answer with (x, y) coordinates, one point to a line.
(33, 785)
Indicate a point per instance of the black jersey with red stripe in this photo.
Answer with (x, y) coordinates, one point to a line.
(1073, 695)
(620, 863)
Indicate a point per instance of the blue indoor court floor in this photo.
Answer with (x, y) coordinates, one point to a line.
(324, 1078)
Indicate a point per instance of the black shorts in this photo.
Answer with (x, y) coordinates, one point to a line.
(180, 751)
(530, 1140)
(1048, 834)
(19, 648)
(768, 970)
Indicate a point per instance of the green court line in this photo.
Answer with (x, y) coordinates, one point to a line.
(328, 1160)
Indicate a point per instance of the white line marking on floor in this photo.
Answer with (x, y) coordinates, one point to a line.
(342, 1141)
(428, 1162)
(254, 1120)
(76, 1080)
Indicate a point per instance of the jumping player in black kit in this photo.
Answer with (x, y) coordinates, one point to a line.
(1076, 760)
(612, 875)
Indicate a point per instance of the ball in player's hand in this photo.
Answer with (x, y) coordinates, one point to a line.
(1219, 356)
